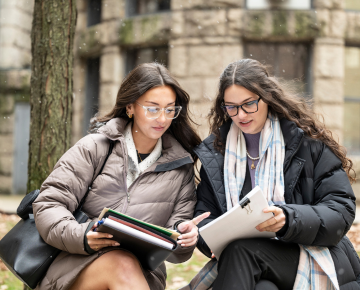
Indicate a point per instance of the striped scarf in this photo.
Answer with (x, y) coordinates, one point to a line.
(268, 175)
(316, 270)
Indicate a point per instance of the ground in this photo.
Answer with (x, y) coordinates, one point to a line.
(178, 275)
(7, 279)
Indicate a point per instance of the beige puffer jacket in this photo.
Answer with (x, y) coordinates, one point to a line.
(162, 195)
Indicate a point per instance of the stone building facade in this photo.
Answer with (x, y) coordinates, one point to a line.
(316, 42)
(15, 61)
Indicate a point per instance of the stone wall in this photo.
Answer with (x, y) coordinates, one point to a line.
(203, 36)
(15, 23)
(101, 40)
(15, 59)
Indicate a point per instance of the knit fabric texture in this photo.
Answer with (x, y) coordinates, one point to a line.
(134, 168)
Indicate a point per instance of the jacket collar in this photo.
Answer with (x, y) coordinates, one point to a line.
(173, 155)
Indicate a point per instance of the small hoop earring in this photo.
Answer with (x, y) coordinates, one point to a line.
(129, 115)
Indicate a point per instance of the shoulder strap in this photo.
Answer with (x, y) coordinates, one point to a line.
(111, 146)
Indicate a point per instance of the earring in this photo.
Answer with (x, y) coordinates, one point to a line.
(129, 115)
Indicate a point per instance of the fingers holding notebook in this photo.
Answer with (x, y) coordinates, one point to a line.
(275, 223)
(97, 240)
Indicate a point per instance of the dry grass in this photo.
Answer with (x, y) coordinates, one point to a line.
(354, 236)
(7, 280)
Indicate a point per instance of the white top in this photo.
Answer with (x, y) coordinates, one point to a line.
(134, 168)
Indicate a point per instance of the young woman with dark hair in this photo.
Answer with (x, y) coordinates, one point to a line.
(148, 176)
(262, 135)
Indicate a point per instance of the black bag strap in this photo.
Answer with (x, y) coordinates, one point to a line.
(111, 146)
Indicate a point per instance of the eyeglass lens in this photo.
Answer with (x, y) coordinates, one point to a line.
(170, 112)
(249, 107)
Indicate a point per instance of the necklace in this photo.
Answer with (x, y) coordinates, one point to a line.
(252, 159)
(139, 155)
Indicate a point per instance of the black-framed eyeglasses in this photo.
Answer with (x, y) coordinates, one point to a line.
(248, 108)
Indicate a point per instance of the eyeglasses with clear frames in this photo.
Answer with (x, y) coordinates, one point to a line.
(152, 112)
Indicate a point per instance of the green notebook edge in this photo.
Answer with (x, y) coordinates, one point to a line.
(167, 232)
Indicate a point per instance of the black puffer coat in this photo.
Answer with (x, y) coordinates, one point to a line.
(320, 203)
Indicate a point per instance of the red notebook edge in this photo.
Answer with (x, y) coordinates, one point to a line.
(139, 229)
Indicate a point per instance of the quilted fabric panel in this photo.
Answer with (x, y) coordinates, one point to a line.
(213, 163)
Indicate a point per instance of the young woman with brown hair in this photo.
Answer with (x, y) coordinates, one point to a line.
(149, 176)
(265, 136)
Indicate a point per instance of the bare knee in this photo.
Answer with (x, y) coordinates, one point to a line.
(123, 266)
(110, 271)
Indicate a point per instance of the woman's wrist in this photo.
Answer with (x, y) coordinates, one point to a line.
(86, 245)
(283, 230)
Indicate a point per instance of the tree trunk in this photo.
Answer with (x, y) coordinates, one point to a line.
(52, 39)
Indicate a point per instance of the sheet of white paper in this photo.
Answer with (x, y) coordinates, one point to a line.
(123, 228)
(237, 223)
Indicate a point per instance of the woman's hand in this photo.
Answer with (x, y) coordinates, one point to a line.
(189, 231)
(97, 240)
(275, 223)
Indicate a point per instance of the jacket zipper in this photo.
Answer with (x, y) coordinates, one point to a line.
(128, 191)
(124, 151)
(125, 176)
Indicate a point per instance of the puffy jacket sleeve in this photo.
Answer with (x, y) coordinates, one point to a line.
(329, 217)
(60, 195)
(183, 211)
(206, 202)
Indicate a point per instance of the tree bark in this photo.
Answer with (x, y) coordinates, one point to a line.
(52, 39)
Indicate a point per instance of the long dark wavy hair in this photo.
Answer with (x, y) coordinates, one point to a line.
(255, 77)
(147, 76)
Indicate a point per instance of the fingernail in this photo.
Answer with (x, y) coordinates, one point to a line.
(179, 242)
(110, 236)
(116, 244)
(180, 237)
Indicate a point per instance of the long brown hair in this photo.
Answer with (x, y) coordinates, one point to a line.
(255, 77)
(147, 76)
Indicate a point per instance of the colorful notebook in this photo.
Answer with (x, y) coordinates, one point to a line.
(151, 244)
(170, 233)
